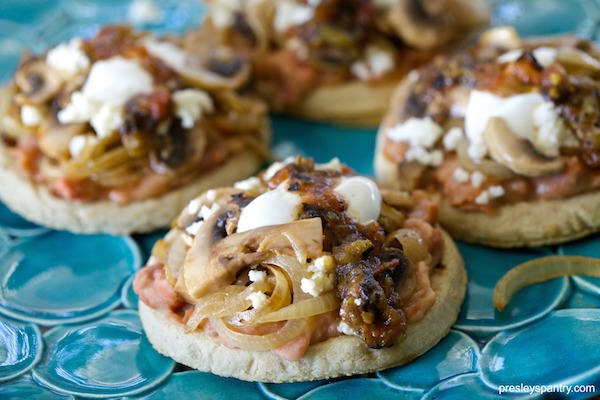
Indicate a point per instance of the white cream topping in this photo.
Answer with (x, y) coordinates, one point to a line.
(116, 80)
(274, 207)
(110, 84)
(527, 115)
(68, 59)
(362, 196)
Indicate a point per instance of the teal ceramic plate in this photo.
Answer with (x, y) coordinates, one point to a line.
(20, 348)
(548, 335)
(107, 358)
(60, 277)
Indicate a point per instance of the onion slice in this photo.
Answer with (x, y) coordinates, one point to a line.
(291, 330)
(540, 270)
(304, 308)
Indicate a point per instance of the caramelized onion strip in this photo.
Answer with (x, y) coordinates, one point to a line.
(540, 270)
(305, 308)
(269, 341)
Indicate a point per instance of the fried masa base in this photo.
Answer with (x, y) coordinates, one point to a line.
(36, 203)
(339, 356)
(525, 224)
(353, 103)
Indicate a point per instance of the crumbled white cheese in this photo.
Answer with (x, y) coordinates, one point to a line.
(194, 206)
(79, 142)
(423, 132)
(167, 52)
(322, 278)
(317, 284)
(477, 150)
(492, 192)
(323, 264)
(298, 47)
(31, 115)
(144, 12)
(477, 179)
(202, 211)
(424, 157)
(376, 63)
(190, 104)
(206, 212)
(223, 12)
(68, 59)
(252, 183)
(258, 299)
(276, 166)
(257, 276)
(333, 164)
(345, 328)
(211, 195)
(289, 13)
(193, 228)
(461, 176)
(358, 302)
(107, 119)
(545, 56)
(452, 138)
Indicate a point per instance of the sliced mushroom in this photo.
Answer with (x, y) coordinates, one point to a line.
(486, 166)
(428, 24)
(516, 153)
(37, 82)
(210, 265)
(54, 138)
(224, 69)
(178, 149)
(574, 58)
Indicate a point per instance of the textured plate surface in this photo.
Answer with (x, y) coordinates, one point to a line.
(50, 278)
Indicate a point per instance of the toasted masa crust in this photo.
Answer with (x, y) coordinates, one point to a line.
(354, 103)
(36, 203)
(526, 224)
(339, 356)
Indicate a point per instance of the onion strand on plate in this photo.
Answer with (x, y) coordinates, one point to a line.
(540, 270)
